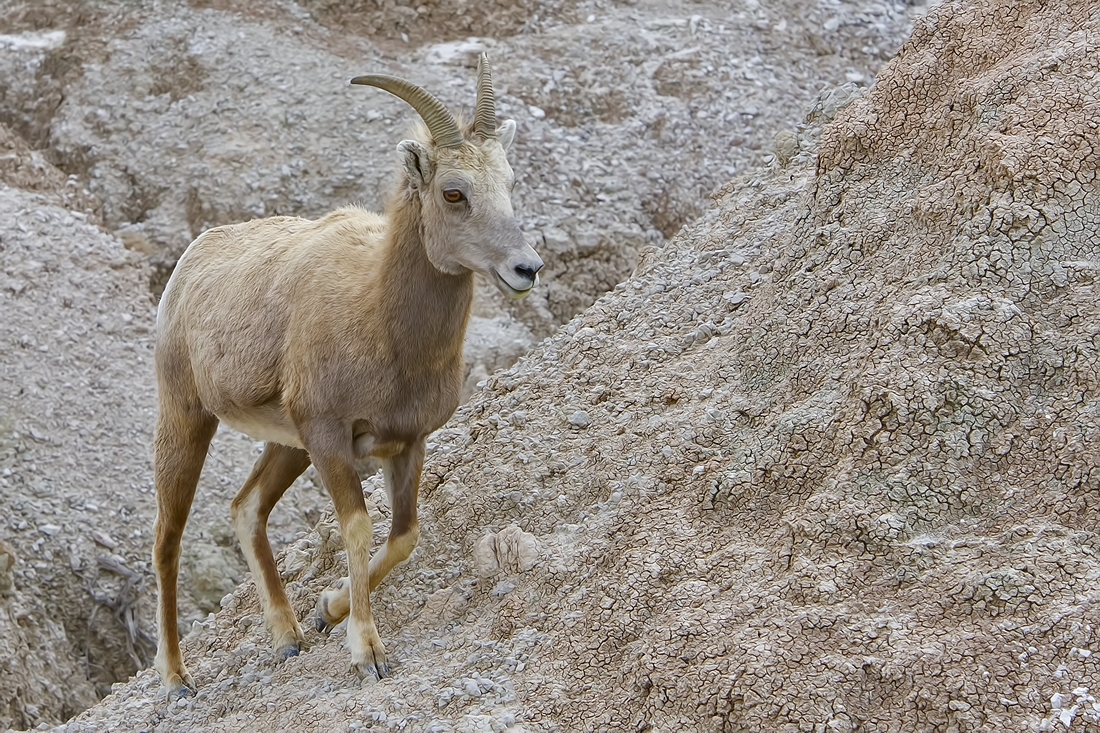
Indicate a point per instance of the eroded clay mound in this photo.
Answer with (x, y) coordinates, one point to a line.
(826, 462)
(77, 405)
(448, 20)
(157, 120)
(183, 115)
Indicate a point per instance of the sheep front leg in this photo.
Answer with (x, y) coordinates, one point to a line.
(337, 471)
(402, 472)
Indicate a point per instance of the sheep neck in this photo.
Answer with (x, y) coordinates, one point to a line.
(427, 310)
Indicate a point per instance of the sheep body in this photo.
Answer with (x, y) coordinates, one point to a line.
(332, 341)
(238, 284)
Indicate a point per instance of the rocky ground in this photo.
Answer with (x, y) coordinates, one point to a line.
(826, 461)
(180, 116)
(126, 129)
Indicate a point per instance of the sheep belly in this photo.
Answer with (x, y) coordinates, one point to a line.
(269, 424)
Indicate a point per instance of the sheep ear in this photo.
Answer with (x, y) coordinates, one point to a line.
(506, 133)
(418, 163)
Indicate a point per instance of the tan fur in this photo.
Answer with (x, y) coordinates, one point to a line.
(332, 340)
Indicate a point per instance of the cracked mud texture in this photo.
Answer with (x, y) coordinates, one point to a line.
(127, 128)
(827, 461)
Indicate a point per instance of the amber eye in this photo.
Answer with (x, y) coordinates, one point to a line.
(453, 196)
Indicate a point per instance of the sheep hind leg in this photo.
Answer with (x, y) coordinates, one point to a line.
(183, 436)
(402, 474)
(272, 475)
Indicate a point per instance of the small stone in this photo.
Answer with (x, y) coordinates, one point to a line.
(786, 147)
(104, 540)
(7, 563)
(580, 419)
(734, 299)
(503, 588)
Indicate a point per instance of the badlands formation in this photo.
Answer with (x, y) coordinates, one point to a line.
(128, 128)
(826, 461)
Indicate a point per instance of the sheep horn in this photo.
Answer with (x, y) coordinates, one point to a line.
(485, 118)
(441, 123)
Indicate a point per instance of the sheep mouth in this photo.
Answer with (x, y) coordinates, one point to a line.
(513, 292)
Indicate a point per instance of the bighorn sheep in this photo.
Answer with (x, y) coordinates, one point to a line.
(332, 340)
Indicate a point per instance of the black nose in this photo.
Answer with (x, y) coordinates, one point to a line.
(527, 273)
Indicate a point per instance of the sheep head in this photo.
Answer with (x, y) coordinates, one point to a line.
(464, 183)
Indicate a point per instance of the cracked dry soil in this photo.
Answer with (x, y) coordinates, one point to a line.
(826, 461)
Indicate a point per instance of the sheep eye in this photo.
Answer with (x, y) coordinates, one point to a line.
(453, 196)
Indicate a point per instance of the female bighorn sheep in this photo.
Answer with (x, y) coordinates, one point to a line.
(332, 340)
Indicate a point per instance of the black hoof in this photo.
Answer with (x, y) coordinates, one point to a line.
(323, 626)
(183, 692)
(377, 670)
(290, 651)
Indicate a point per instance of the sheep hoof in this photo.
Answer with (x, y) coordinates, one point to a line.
(186, 689)
(377, 670)
(368, 656)
(326, 619)
(290, 651)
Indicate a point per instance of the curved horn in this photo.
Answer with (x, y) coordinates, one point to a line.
(485, 118)
(441, 123)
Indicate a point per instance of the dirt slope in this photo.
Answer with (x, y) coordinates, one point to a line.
(825, 462)
(77, 404)
(127, 128)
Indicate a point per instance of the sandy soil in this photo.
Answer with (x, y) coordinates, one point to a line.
(126, 129)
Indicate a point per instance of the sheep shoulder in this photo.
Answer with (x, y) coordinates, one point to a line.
(271, 284)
